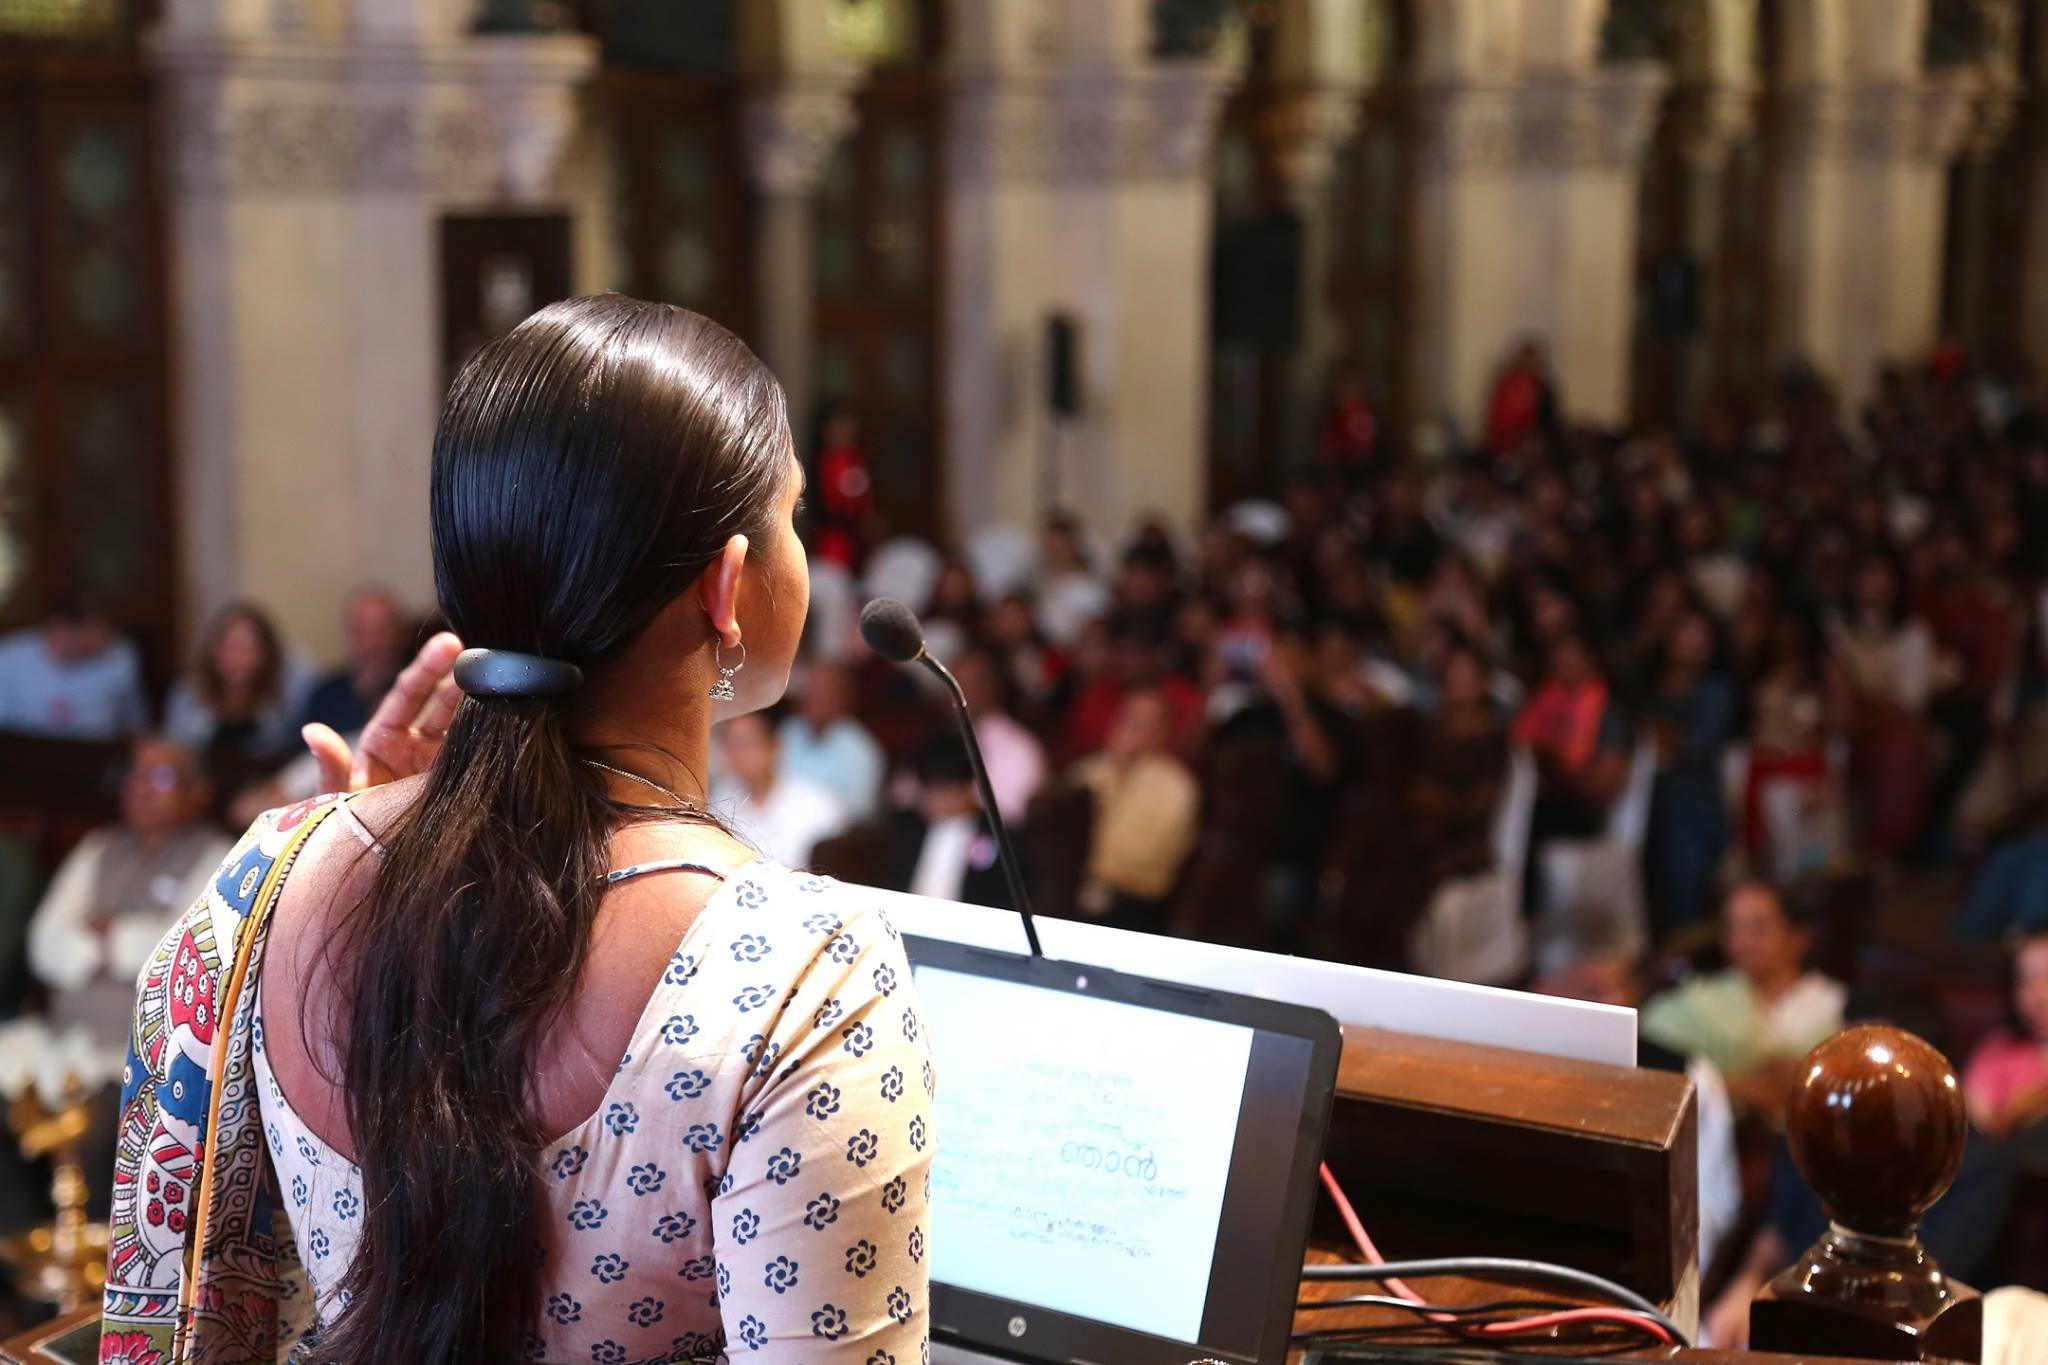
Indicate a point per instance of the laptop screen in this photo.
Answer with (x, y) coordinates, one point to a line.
(1120, 1163)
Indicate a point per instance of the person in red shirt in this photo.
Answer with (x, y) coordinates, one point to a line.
(1523, 402)
(844, 493)
(1136, 661)
(1351, 428)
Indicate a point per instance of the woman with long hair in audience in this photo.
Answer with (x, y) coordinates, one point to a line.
(1889, 667)
(541, 1061)
(235, 708)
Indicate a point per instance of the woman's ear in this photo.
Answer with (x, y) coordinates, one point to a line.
(719, 590)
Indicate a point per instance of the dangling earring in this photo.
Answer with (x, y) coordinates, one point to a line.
(722, 689)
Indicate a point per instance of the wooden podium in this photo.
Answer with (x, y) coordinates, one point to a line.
(1456, 1149)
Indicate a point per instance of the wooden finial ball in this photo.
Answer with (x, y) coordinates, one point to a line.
(1877, 1126)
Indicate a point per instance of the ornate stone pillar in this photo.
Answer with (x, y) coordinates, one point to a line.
(1301, 133)
(1981, 290)
(1078, 184)
(1526, 206)
(791, 129)
(312, 149)
(1859, 199)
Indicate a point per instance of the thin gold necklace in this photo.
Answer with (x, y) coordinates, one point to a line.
(683, 803)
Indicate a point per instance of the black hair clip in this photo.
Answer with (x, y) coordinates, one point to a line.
(504, 673)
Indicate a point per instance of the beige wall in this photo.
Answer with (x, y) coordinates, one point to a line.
(312, 161)
(314, 157)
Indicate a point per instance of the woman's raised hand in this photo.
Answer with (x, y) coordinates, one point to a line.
(406, 732)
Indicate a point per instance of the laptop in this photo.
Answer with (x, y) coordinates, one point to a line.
(1126, 1167)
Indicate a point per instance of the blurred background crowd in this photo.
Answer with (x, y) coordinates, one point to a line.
(1745, 724)
(1547, 493)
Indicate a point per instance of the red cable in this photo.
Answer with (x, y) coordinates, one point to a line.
(1364, 1242)
(1538, 1323)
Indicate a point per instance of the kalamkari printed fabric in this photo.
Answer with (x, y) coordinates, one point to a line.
(753, 1185)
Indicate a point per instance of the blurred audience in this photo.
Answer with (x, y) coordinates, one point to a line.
(238, 706)
(1460, 768)
(823, 744)
(1575, 731)
(780, 813)
(379, 639)
(1612, 976)
(2006, 1082)
(1016, 760)
(121, 889)
(1784, 644)
(1144, 804)
(940, 844)
(1755, 1018)
(71, 677)
(1691, 715)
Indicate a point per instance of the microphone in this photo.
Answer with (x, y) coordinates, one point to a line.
(892, 630)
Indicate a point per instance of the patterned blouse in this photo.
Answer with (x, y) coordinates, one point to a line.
(755, 1178)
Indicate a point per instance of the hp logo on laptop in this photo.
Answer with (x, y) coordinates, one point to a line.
(1018, 1325)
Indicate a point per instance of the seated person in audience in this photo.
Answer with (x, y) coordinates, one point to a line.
(1291, 720)
(2006, 1082)
(1756, 1018)
(1016, 760)
(1788, 745)
(1035, 672)
(781, 814)
(941, 845)
(71, 677)
(378, 642)
(237, 707)
(1574, 729)
(822, 743)
(1135, 661)
(1070, 593)
(1891, 665)
(120, 890)
(1146, 808)
(1608, 975)
(1460, 771)
(1691, 714)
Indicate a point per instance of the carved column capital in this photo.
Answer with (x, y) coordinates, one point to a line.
(1927, 120)
(483, 118)
(1089, 126)
(1603, 118)
(791, 130)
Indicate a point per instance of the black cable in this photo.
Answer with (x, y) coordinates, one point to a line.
(1438, 1353)
(1469, 1322)
(1503, 1266)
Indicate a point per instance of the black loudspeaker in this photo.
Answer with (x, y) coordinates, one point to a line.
(1255, 284)
(1062, 366)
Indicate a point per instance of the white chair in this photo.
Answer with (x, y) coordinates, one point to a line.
(1003, 557)
(1473, 929)
(830, 631)
(1592, 890)
(905, 568)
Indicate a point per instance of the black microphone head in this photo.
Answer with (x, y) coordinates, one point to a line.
(892, 630)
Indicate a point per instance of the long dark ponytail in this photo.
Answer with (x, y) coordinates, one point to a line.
(587, 467)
